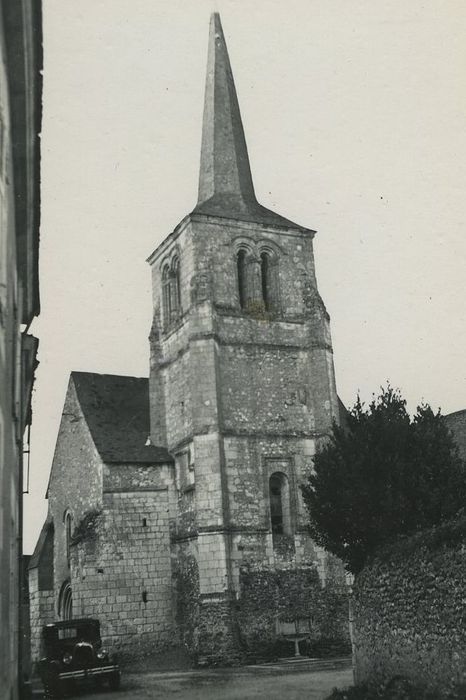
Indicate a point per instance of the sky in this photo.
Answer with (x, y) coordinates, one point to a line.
(354, 114)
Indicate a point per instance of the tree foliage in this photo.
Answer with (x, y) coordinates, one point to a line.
(381, 476)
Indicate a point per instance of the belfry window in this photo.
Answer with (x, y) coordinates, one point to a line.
(171, 291)
(242, 277)
(175, 294)
(266, 280)
(279, 494)
(166, 295)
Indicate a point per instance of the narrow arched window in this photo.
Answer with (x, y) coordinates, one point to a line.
(68, 523)
(266, 279)
(242, 277)
(175, 294)
(279, 494)
(166, 295)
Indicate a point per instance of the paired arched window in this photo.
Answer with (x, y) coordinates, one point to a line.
(171, 291)
(242, 277)
(166, 294)
(176, 284)
(257, 280)
(279, 494)
(266, 280)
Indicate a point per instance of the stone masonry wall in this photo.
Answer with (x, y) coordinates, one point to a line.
(250, 394)
(75, 482)
(409, 611)
(41, 592)
(272, 599)
(42, 611)
(121, 572)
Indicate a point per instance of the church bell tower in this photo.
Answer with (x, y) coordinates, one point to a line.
(242, 389)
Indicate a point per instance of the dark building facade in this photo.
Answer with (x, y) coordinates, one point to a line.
(20, 116)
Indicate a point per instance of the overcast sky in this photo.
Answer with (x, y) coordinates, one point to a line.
(354, 113)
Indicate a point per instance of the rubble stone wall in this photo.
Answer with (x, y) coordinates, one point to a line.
(409, 612)
(42, 611)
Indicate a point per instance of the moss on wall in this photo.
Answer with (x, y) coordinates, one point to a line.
(409, 610)
(269, 598)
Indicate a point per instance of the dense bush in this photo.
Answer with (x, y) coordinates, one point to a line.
(382, 476)
(327, 648)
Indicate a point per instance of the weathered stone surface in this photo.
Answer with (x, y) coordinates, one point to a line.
(409, 611)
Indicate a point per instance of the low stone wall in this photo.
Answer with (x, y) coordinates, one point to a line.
(232, 628)
(409, 608)
(270, 598)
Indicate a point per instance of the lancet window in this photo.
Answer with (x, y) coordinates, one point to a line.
(171, 291)
(279, 494)
(68, 525)
(242, 277)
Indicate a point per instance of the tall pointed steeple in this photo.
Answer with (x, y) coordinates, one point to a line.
(225, 181)
(225, 166)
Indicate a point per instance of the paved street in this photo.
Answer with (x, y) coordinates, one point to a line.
(303, 681)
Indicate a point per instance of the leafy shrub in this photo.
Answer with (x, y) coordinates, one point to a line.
(382, 476)
(328, 648)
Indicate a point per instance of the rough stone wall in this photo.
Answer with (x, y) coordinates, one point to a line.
(42, 611)
(264, 389)
(409, 612)
(164, 430)
(207, 621)
(272, 598)
(41, 593)
(75, 482)
(121, 571)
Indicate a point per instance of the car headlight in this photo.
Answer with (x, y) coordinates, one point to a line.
(102, 654)
(67, 658)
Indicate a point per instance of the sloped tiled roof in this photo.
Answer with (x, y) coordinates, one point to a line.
(116, 410)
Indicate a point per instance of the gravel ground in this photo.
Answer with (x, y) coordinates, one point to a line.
(272, 683)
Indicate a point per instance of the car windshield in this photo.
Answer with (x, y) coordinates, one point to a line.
(78, 632)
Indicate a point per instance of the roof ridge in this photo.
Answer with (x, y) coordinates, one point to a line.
(75, 372)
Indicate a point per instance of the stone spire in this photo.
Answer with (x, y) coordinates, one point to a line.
(225, 169)
(225, 181)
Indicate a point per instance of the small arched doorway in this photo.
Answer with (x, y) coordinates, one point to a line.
(65, 602)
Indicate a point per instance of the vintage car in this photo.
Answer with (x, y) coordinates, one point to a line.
(74, 652)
